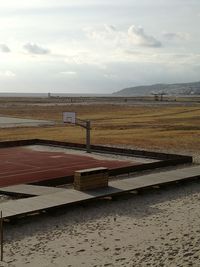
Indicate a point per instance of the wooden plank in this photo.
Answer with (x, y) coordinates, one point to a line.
(93, 170)
(14, 208)
(91, 178)
(29, 190)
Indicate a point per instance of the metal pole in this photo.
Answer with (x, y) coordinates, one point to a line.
(1, 229)
(88, 136)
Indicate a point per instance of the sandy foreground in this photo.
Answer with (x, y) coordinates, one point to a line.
(158, 227)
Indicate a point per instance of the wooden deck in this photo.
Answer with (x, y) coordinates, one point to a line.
(29, 190)
(65, 197)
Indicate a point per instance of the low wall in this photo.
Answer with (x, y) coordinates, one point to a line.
(164, 159)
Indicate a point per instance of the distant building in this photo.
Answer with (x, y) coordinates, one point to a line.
(158, 96)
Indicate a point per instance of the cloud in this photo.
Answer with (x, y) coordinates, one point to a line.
(68, 73)
(176, 35)
(110, 28)
(108, 32)
(4, 48)
(137, 36)
(36, 49)
(110, 35)
(110, 76)
(7, 73)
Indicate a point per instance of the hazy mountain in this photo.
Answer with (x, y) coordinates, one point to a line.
(170, 89)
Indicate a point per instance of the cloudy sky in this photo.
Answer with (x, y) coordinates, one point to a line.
(97, 46)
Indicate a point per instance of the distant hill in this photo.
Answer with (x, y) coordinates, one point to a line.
(169, 89)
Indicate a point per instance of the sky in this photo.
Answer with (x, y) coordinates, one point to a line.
(97, 46)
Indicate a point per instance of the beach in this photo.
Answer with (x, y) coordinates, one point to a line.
(158, 227)
(99, 133)
(155, 227)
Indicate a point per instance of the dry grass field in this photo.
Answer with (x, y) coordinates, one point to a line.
(158, 127)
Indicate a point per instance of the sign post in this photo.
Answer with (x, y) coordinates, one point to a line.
(88, 136)
(70, 117)
(1, 233)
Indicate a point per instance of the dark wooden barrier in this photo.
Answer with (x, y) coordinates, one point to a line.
(164, 159)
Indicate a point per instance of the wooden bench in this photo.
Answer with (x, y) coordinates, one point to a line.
(91, 178)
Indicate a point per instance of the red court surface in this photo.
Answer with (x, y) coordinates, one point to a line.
(22, 165)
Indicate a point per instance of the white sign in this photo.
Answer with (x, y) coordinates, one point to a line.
(69, 117)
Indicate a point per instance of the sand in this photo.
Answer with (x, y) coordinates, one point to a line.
(158, 227)
(10, 122)
(96, 155)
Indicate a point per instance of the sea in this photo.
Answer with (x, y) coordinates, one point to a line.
(45, 95)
